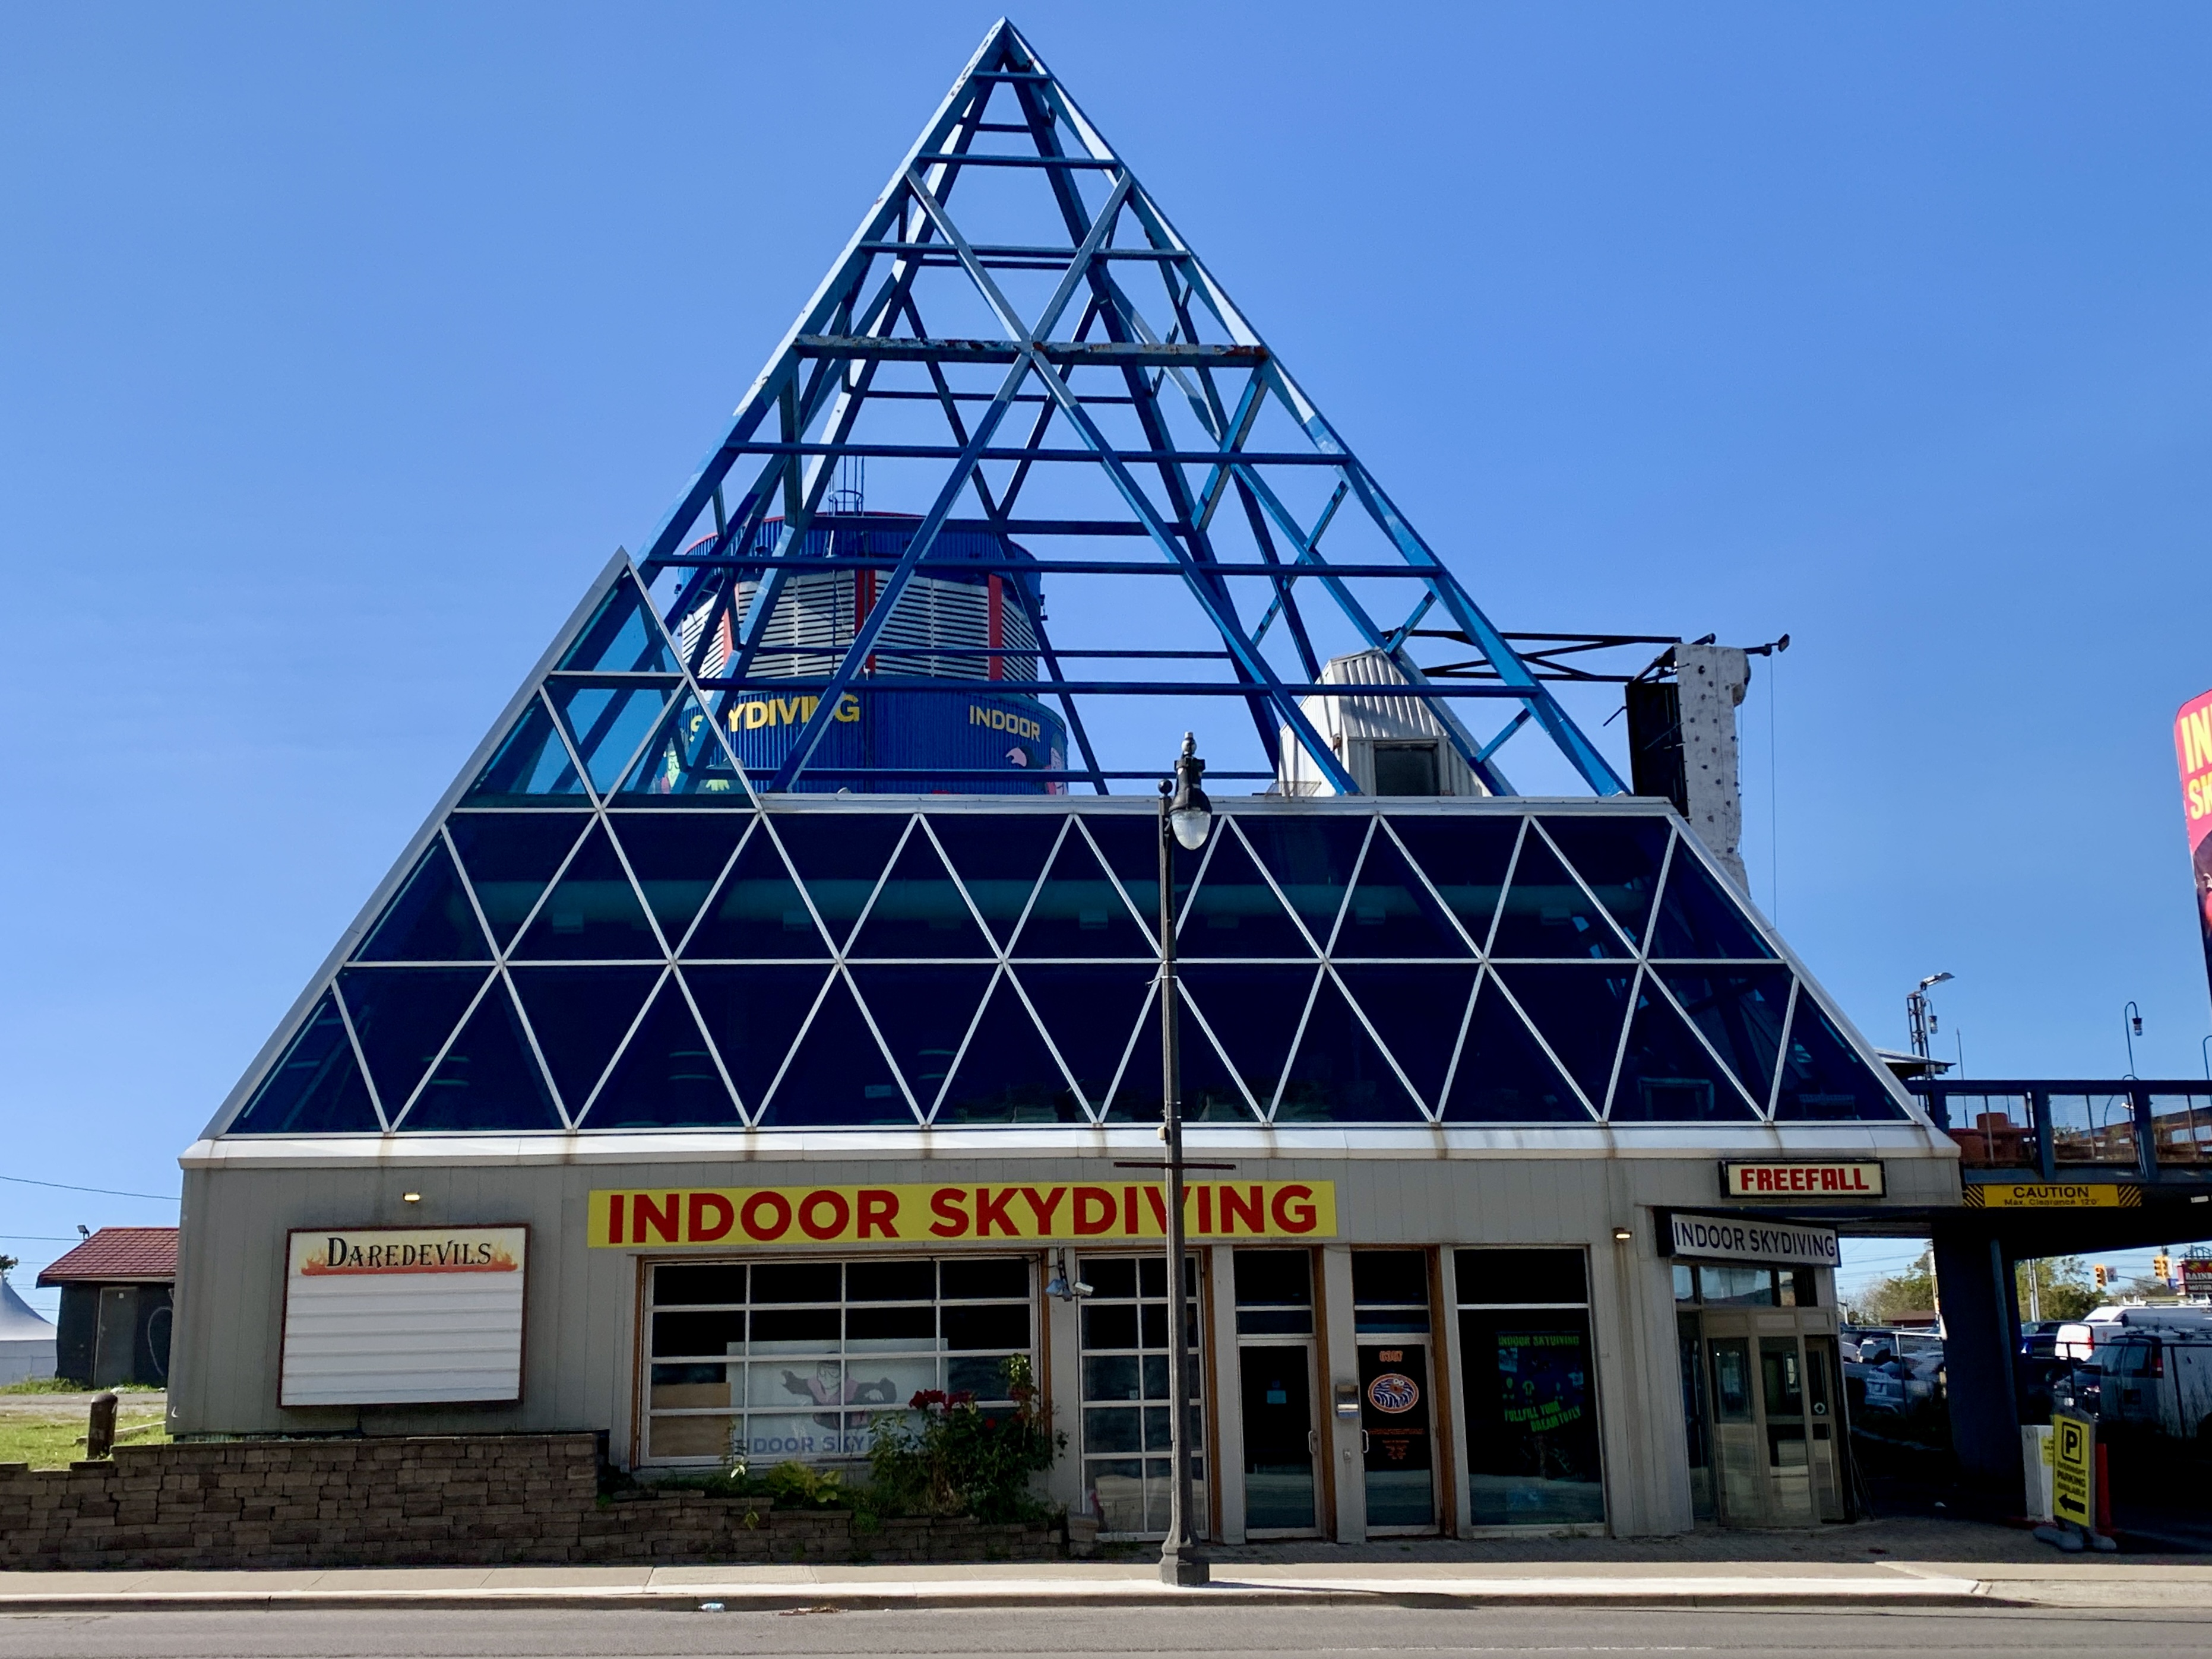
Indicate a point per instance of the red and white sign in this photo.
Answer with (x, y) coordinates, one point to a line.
(1777, 1179)
(2192, 753)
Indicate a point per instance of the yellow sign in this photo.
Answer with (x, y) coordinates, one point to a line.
(2073, 1469)
(726, 1218)
(2050, 1195)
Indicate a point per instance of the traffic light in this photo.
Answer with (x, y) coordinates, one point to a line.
(2102, 1272)
(2162, 1268)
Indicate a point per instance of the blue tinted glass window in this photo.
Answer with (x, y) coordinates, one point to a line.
(1580, 1011)
(1504, 1075)
(1131, 848)
(508, 857)
(1667, 1076)
(1254, 1011)
(676, 857)
(999, 859)
(684, 761)
(430, 920)
(1619, 858)
(403, 1016)
(1090, 1013)
(1233, 912)
(316, 1088)
(1079, 911)
(593, 913)
(1312, 860)
(620, 638)
(1741, 1012)
(529, 768)
(1697, 919)
(607, 723)
(838, 1077)
(488, 1079)
(1210, 1093)
(579, 1015)
(1417, 1011)
(758, 912)
(1546, 914)
(666, 1078)
(1392, 912)
(1007, 1075)
(1466, 858)
(923, 1014)
(840, 856)
(753, 1014)
(1338, 1074)
(919, 910)
(1823, 1080)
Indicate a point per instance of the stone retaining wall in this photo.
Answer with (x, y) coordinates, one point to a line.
(473, 1501)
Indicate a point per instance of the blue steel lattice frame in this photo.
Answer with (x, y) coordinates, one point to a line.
(822, 386)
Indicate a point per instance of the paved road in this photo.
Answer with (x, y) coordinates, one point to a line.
(1220, 1633)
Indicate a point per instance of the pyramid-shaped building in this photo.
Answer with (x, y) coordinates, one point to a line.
(769, 1011)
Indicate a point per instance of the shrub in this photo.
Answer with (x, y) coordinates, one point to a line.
(946, 1456)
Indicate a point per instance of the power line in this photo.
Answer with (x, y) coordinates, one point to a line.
(108, 1191)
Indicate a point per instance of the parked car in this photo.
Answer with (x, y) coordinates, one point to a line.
(2040, 1341)
(2042, 1386)
(2080, 1339)
(2158, 1378)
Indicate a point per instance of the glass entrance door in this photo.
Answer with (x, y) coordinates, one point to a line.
(1776, 1432)
(1279, 1438)
(1393, 1425)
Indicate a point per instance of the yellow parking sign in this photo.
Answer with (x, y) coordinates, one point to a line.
(2073, 1469)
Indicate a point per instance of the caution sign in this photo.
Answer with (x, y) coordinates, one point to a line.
(2050, 1195)
(2073, 1469)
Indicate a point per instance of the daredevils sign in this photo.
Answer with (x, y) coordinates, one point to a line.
(727, 1217)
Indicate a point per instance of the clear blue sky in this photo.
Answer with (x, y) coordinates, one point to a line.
(339, 345)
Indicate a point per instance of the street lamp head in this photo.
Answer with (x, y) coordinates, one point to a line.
(1933, 979)
(1190, 814)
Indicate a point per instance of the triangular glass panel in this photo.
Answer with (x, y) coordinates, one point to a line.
(1465, 857)
(488, 1079)
(430, 920)
(838, 1077)
(1504, 1075)
(1338, 1074)
(1312, 858)
(686, 762)
(667, 1078)
(1417, 1011)
(1619, 859)
(840, 856)
(1079, 911)
(403, 1016)
(580, 1016)
(1740, 1010)
(1823, 1078)
(998, 858)
(1210, 1093)
(676, 857)
(923, 1015)
(1667, 1076)
(593, 913)
(509, 857)
(1393, 914)
(752, 1014)
(1579, 1009)
(1233, 912)
(621, 638)
(758, 914)
(919, 910)
(316, 1088)
(607, 723)
(1546, 914)
(1088, 1012)
(1254, 1010)
(1007, 1075)
(1131, 848)
(1697, 919)
(530, 769)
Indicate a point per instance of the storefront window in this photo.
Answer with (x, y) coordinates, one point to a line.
(1530, 1389)
(1126, 1468)
(1719, 1285)
(775, 1361)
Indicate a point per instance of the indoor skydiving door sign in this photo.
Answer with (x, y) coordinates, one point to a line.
(726, 1217)
(1736, 1238)
(403, 1316)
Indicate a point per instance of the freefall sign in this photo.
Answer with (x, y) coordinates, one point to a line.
(2193, 752)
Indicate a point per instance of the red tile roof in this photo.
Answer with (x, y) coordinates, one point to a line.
(117, 1255)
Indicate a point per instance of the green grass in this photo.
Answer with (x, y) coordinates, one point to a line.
(54, 1443)
(65, 1385)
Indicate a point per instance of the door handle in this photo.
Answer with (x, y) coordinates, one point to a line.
(1363, 1441)
(1313, 1441)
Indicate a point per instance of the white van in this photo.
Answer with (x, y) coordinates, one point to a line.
(2159, 1379)
(2081, 1339)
